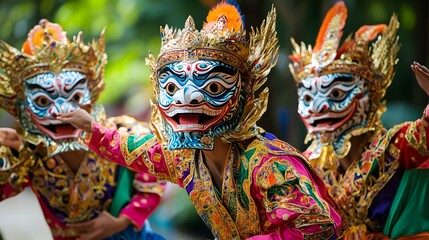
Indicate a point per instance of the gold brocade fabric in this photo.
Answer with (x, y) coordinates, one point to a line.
(66, 196)
(381, 159)
(258, 181)
(77, 196)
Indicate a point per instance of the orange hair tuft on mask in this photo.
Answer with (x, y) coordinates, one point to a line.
(224, 14)
(37, 34)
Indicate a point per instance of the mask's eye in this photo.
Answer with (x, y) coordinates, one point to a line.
(76, 98)
(307, 98)
(337, 93)
(203, 66)
(42, 101)
(171, 88)
(214, 88)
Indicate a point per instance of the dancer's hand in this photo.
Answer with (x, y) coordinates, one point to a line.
(101, 227)
(422, 75)
(80, 119)
(10, 138)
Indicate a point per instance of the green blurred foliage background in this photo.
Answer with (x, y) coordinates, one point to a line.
(132, 30)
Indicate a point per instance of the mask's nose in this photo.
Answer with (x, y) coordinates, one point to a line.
(318, 106)
(188, 95)
(61, 107)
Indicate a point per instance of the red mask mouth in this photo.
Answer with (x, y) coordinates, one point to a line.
(329, 121)
(59, 131)
(54, 128)
(186, 118)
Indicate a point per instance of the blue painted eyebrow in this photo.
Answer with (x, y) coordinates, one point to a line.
(81, 81)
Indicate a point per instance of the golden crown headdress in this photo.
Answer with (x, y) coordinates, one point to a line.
(47, 49)
(355, 56)
(223, 38)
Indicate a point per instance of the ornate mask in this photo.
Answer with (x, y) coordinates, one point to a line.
(50, 76)
(199, 97)
(204, 81)
(333, 103)
(340, 89)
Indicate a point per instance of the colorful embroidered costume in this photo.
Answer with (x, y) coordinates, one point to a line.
(340, 90)
(205, 82)
(51, 76)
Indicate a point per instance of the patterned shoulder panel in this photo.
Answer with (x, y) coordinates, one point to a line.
(279, 147)
(271, 143)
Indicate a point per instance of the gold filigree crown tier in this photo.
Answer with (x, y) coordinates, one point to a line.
(48, 50)
(356, 69)
(355, 56)
(190, 44)
(221, 42)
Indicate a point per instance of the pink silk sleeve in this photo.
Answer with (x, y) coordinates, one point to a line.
(296, 201)
(140, 153)
(147, 197)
